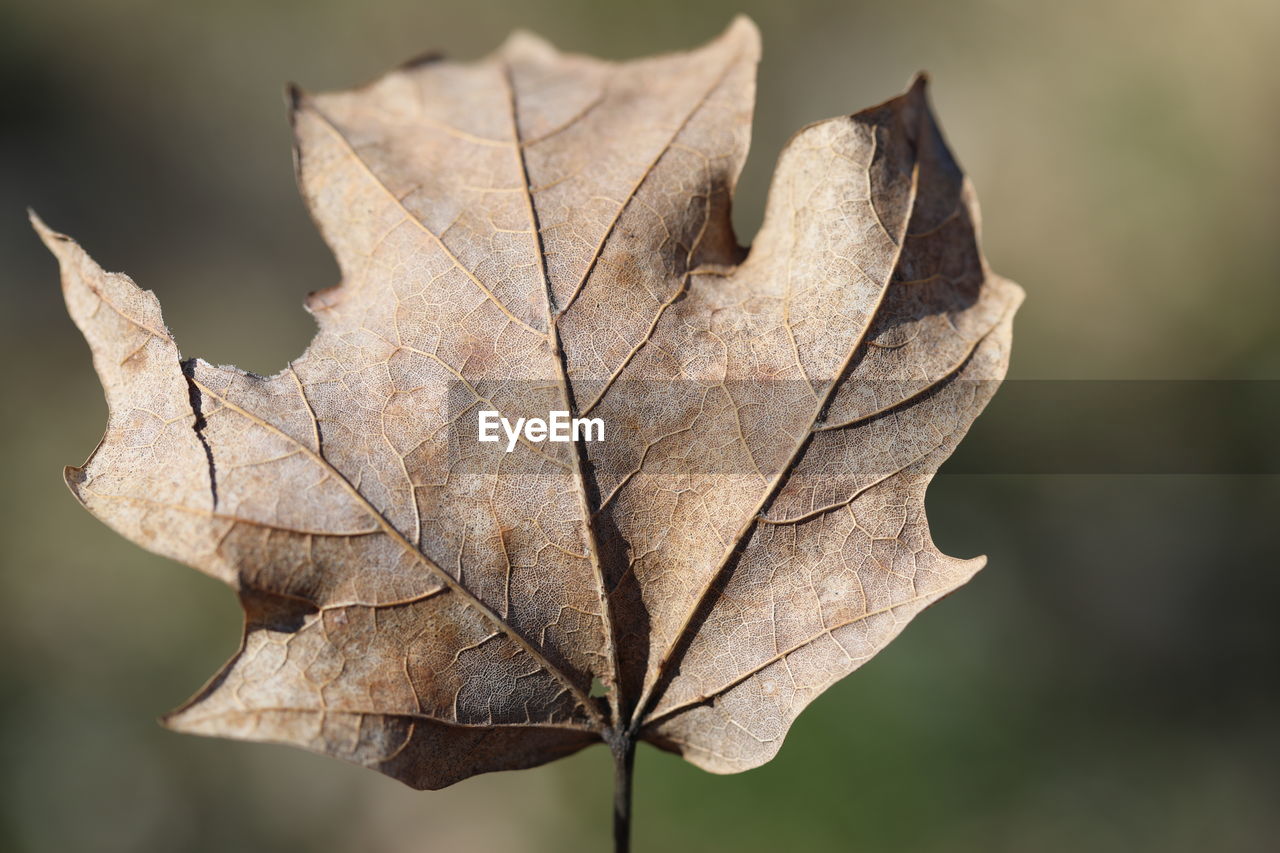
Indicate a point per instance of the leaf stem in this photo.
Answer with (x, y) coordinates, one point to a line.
(623, 746)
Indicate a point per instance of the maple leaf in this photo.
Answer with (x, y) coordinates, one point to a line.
(540, 232)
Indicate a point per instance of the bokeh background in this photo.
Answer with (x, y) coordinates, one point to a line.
(1107, 684)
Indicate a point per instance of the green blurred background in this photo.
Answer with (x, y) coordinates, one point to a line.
(1107, 684)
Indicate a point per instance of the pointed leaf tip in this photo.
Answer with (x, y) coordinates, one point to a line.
(743, 26)
(51, 238)
(294, 96)
(523, 44)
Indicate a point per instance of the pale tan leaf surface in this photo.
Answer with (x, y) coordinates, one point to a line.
(539, 231)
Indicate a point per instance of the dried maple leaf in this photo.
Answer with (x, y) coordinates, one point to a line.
(539, 232)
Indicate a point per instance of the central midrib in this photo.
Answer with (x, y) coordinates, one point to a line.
(567, 402)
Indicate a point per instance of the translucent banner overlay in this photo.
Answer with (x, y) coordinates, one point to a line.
(1229, 427)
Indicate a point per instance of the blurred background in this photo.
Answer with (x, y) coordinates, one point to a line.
(1108, 683)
